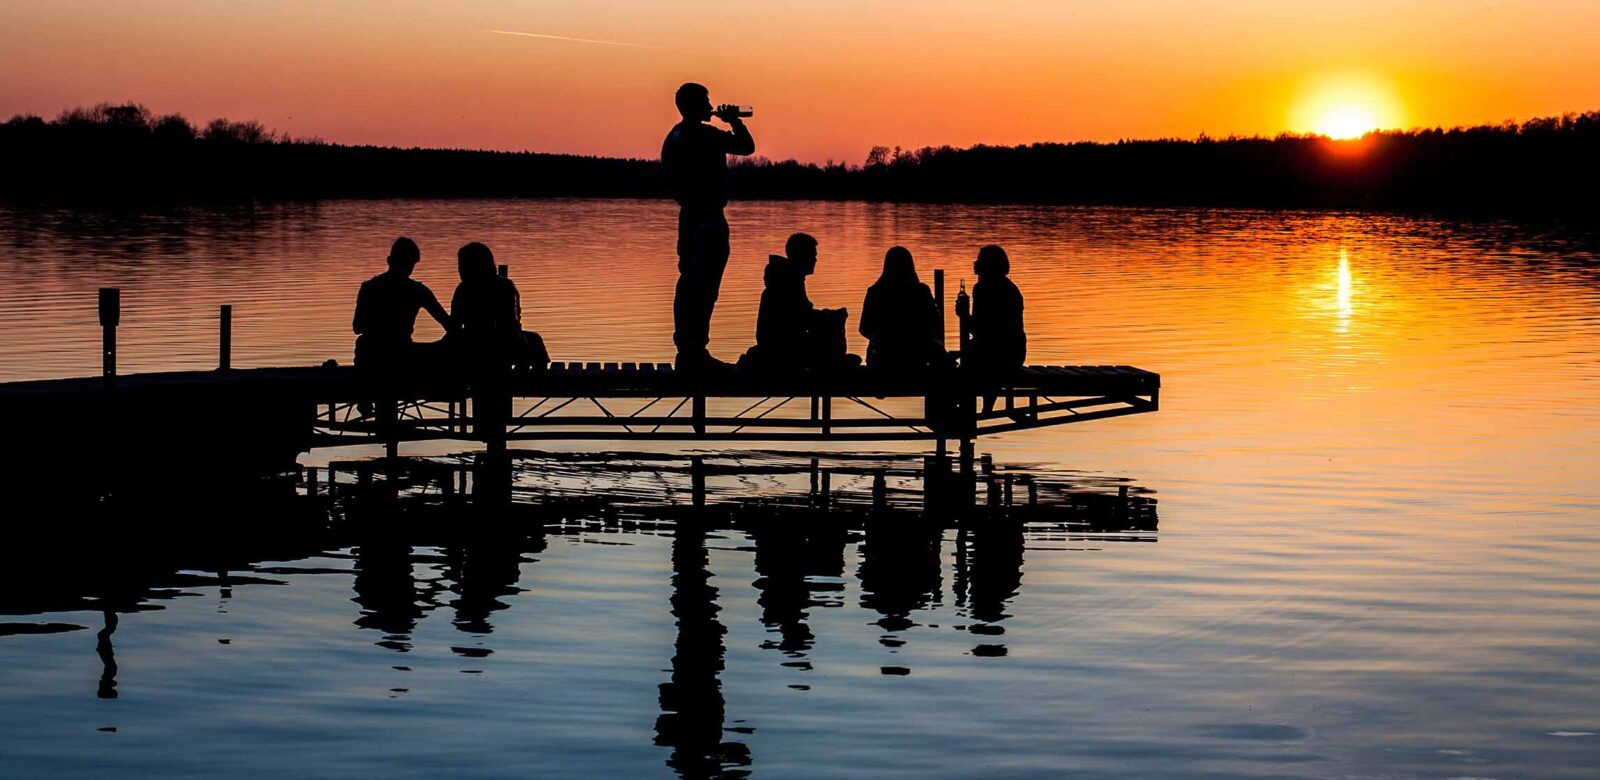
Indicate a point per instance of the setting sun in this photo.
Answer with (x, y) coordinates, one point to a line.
(1345, 107)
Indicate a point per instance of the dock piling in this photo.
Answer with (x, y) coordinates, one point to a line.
(110, 318)
(225, 338)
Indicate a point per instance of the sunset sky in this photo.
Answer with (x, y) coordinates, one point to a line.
(828, 79)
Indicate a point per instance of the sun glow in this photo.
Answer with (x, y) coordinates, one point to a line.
(1345, 107)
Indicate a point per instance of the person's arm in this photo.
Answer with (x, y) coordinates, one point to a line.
(359, 323)
(430, 302)
(869, 320)
(738, 140)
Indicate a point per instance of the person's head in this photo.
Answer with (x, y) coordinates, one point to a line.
(403, 255)
(992, 261)
(801, 249)
(898, 265)
(475, 261)
(694, 102)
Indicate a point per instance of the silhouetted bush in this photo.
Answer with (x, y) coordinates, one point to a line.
(123, 153)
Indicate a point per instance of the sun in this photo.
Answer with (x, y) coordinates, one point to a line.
(1345, 107)
(1345, 122)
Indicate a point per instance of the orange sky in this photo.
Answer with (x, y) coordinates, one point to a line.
(828, 79)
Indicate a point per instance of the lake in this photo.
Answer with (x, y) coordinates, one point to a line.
(1374, 470)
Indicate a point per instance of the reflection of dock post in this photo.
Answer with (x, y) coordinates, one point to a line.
(968, 483)
(935, 479)
(697, 481)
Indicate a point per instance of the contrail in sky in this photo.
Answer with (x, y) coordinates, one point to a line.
(574, 40)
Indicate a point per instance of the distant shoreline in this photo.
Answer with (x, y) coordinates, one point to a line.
(122, 156)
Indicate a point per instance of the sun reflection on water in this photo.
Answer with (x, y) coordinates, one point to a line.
(1344, 292)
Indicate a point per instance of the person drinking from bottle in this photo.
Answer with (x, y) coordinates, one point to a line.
(694, 158)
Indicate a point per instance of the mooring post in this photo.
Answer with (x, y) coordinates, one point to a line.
(505, 271)
(110, 317)
(815, 484)
(225, 338)
(1033, 492)
(311, 481)
(880, 491)
(1009, 494)
(938, 299)
(827, 488)
(698, 415)
(827, 415)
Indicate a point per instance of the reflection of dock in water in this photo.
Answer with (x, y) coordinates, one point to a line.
(454, 540)
(736, 488)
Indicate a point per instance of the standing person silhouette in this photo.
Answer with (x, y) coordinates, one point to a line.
(695, 160)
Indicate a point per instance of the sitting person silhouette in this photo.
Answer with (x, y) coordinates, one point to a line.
(386, 313)
(996, 345)
(487, 314)
(793, 335)
(900, 319)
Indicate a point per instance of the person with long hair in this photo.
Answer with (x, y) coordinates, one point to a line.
(899, 318)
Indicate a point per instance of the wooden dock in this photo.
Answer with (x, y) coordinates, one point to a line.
(266, 417)
(261, 419)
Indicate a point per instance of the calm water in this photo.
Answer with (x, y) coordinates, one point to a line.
(1376, 556)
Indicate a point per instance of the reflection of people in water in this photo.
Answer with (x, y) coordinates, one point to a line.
(692, 706)
(386, 589)
(900, 571)
(484, 572)
(108, 658)
(988, 569)
(789, 555)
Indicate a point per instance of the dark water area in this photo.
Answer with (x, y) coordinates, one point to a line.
(1374, 463)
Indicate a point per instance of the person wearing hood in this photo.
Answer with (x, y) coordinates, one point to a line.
(900, 319)
(792, 334)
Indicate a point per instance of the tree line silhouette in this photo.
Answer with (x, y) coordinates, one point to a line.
(126, 154)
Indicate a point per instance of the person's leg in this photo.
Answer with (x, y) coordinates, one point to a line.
(714, 232)
(688, 336)
(702, 258)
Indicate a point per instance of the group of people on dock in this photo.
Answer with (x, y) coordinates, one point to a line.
(899, 317)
